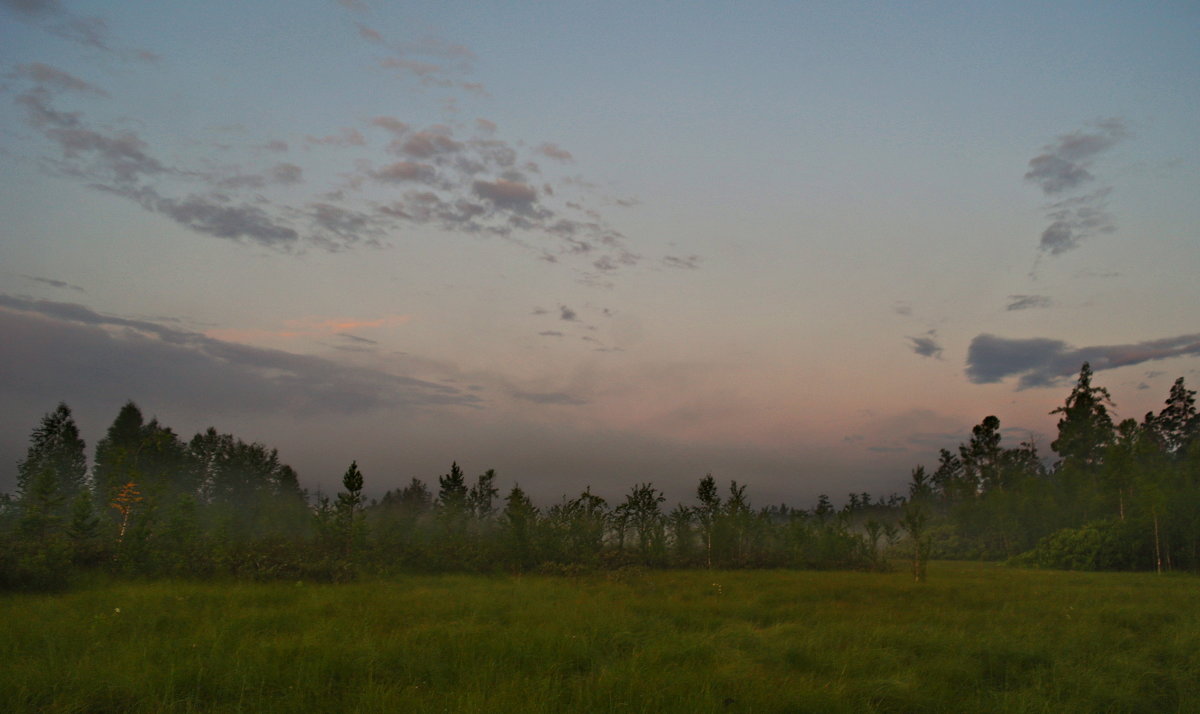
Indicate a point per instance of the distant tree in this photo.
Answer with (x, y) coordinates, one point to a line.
(482, 496)
(915, 521)
(55, 454)
(919, 486)
(708, 513)
(452, 492)
(574, 530)
(680, 521)
(738, 520)
(1085, 429)
(642, 510)
(115, 461)
(1178, 424)
(518, 524)
(949, 480)
(349, 509)
(981, 457)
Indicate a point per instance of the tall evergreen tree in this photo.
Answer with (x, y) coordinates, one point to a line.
(981, 456)
(116, 454)
(1178, 424)
(54, 470)
(1085, 429)
(518, 524)
(349, 509)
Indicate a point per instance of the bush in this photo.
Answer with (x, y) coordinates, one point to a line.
(29, 565)
(1099, 545)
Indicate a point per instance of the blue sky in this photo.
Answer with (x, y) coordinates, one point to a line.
(802, 246)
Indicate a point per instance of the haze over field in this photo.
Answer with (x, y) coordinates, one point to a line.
(799, 246)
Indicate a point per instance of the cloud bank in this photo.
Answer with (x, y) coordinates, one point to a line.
(65, 349)
(1043, 362)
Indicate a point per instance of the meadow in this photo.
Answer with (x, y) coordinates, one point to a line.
(975, 637)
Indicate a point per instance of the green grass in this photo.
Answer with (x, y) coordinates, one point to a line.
(974, 638)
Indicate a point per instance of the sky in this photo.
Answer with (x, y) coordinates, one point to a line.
(802, 246)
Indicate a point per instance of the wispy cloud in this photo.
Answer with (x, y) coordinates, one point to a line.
(54, 283)
(687, 262)
(1043, 362)
(89, 32)
(1028, 302)
(1064, 166)
(559, 398)
(477, 184)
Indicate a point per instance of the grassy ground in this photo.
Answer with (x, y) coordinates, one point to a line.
(974, 638)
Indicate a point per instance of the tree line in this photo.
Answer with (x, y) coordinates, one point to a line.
(1119, 496)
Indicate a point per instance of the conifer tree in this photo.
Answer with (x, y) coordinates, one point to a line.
(1085, 429)
(349, 509)
(54, 470)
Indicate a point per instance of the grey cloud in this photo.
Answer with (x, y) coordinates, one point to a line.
(369, 34)
(1027, 302)
(40, 114)
(391, 124)
(356, 338)
(427, 144)
(1043, 362)
(63, 348)
(32, 8)
(122, 157)
(348, 137)
(549, 398)
(926, 345)
(566, 313)
(54, 283)
(287, 173)
(1063, 165)
(204, 215)
(1076, 219)
(470, 186)
(428, 73)
(214, 216)
(52, 17)
(550, 333)
(554, 151)
(52, 77)
(689, 262)
(506, 194)
(284, 174)
(402, 171)
(349, 225)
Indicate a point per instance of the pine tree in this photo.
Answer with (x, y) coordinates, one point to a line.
(1085, 429)
(1178, 424)
(518, 522)
(116, 453)
(54, 470)
(349, 509)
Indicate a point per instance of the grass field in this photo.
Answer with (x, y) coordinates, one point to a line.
(976, 637)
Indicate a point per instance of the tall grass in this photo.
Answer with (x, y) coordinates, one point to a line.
(974, 638)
